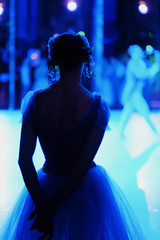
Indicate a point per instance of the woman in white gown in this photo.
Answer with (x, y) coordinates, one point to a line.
(70, 198)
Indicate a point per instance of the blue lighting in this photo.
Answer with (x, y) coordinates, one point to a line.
(72, 6)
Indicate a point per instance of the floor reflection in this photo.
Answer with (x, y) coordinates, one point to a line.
(133, 161)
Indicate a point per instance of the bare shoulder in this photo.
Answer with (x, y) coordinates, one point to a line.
(87, 95)
(49, 94)
(84, 102)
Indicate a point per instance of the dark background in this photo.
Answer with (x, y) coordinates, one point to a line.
(123, 24)
(37, 20)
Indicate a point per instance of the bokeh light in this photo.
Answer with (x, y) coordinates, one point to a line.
(72, 6)
(1, 9)
(34, 56)
(143, 8)
(149, 49)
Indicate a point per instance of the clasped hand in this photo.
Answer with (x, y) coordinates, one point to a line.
(43, 223)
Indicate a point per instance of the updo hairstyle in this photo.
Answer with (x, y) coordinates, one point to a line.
(66, 52)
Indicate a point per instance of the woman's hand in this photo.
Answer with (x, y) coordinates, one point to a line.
(43, 223)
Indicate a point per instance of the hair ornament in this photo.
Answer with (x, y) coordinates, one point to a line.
(80, 52)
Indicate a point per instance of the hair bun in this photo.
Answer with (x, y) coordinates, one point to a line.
(67, 51)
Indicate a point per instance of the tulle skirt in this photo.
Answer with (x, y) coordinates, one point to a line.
(96, 210)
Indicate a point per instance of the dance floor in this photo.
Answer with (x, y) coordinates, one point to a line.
(132, 161)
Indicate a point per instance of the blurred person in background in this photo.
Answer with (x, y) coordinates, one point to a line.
(132, 98)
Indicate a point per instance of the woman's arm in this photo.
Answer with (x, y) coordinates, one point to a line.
(79, 172)
(43, 221)
(27, 148)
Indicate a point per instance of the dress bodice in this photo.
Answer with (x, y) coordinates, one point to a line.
(62, 150)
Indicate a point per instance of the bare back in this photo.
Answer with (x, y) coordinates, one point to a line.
(62, 108)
